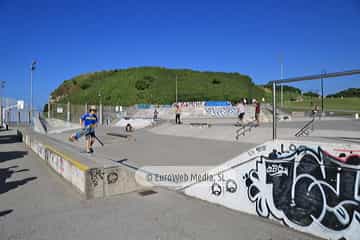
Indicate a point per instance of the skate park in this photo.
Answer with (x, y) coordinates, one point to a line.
(179, 120)
(305, 180)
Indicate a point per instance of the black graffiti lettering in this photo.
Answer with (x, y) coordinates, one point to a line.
(282, 149)
(309, 184)
(95, 176)
(216, 189)
(112, 177)
(231, 186)
(292, 148)
(357, 187)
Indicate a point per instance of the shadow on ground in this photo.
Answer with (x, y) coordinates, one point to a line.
(6, 212)
(6, 173)
(12, 155)
(13, 138)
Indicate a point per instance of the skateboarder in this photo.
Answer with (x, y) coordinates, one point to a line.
(88, 121)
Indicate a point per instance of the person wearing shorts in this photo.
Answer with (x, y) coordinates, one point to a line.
(241, 111)
(177, 114)
(89, 121)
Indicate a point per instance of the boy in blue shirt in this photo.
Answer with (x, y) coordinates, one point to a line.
(88, 121)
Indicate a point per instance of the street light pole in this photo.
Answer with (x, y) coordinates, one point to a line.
(2, 85)
(176, 89)
(274, 111)
(100, 109)
(322, 93)
(282, 86)
(33, 66)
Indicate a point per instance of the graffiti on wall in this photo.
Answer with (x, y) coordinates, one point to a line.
(303, 187)
(220, 112)
(112, 177)
(96, 175)
(311, 187)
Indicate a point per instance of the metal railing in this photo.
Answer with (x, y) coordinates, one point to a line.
(243, 129)
(305, 130)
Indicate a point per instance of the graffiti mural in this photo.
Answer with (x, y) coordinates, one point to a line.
(311, 187)
(302, 187)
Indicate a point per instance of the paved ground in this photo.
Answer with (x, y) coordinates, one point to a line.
(36, 204)
(226, 131)
(170, 144)
(146, 148)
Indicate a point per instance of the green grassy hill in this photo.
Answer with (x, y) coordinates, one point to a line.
(351, 92)
(156, 85)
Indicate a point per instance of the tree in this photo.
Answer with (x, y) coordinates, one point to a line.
(311, 94)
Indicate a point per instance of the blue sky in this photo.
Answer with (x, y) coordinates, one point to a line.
(68, 38)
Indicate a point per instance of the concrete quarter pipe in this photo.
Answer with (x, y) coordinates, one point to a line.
(311, 187)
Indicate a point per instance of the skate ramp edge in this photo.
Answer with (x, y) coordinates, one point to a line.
(302, 185)
(89, 178)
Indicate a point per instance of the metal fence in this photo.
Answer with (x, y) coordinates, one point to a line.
(73, 112)
(12, 114)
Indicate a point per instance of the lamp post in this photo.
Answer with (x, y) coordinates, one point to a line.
(32, 68)
(282, 85)
(322, 93)
(100, 109)
(2, 85)
(176, 89)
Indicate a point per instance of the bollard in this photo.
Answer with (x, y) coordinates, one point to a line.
(356, 116)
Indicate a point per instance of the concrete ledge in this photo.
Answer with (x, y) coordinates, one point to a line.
(88, 177)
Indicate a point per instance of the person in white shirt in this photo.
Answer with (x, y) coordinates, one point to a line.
(241, 111)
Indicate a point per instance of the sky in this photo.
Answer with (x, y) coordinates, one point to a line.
(71, 37)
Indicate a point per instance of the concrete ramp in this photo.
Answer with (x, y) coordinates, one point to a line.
(57, 126)
(203, 113)
(93, 178)
(308, 186)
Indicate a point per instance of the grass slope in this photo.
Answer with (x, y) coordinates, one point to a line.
(156, 85)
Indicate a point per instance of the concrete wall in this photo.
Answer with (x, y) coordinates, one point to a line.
(203, 112)
(303, 185)
(89, 179)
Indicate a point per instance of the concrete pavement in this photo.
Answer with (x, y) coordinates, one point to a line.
(35, 203)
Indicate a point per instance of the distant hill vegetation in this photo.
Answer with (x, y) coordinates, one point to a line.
(156, 85)
(351, 92)
(286, 88)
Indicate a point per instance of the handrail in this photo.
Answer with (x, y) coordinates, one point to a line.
(242, 130)
(305, 128)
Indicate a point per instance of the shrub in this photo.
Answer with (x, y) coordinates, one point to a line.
(216, 81)
(142, 85)
(84, 86)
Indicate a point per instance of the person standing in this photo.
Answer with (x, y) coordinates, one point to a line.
(88, 121)
(241, 111)
(177, 114)
(155, 118)
(257, 113)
